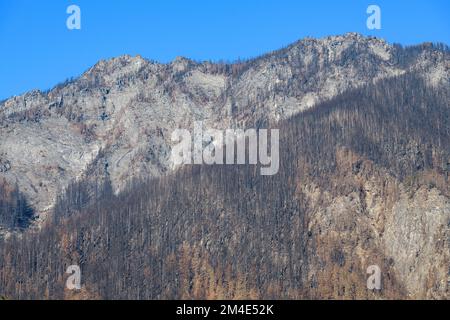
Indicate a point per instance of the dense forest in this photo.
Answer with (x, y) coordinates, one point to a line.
(210, 232)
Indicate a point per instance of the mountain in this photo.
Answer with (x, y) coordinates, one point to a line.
(363, 178)
(117, 118)
(363, 181)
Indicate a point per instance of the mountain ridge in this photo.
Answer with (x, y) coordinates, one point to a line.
(118, 115)
(221, 61)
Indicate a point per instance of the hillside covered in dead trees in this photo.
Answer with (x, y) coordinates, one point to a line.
(363, 180)
(15, 212)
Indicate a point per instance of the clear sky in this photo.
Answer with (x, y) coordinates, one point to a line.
(37, 50)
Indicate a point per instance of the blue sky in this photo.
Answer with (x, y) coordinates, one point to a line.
(37, 51)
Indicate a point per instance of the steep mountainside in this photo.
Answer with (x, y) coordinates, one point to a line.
(116, 119)
(363, 180)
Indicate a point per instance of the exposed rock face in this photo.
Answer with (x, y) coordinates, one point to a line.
(418, 230)
(405, 233)
(118, 116)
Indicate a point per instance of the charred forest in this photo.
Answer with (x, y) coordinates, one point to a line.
(226, 232)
